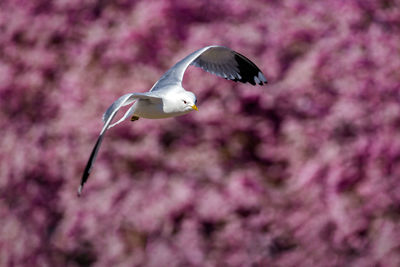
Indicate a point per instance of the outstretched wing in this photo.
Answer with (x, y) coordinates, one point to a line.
(218, 60)
(230, 65)
(107, 118)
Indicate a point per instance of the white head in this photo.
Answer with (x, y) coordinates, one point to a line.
(185, 101)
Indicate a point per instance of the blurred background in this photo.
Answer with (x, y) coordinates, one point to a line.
(301, 172)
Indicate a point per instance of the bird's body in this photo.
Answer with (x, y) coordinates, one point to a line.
(147, 110)
(167, 98)
(168, 105)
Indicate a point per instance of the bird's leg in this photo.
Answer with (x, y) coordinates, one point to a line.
(134, 118)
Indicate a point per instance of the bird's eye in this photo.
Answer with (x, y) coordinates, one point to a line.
(184, 101)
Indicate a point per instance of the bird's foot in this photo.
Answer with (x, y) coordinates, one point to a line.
(134, 118)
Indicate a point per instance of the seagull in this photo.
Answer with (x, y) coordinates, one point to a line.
(167, 98)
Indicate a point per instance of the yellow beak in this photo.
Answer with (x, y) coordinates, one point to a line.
(195, 108)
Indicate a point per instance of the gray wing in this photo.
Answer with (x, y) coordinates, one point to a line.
(107, 118)
(218, 60)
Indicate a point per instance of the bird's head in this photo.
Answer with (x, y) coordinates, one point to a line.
(187, 101)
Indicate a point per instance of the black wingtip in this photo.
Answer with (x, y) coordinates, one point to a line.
(85, 176)
(249, 72)
(89, 164)
(86, 172)
(80, 190)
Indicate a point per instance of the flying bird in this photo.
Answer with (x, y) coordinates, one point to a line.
(167, 97)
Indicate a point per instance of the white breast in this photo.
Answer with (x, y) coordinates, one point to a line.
(145, 109)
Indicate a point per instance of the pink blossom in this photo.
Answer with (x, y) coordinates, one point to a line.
(301, 172)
